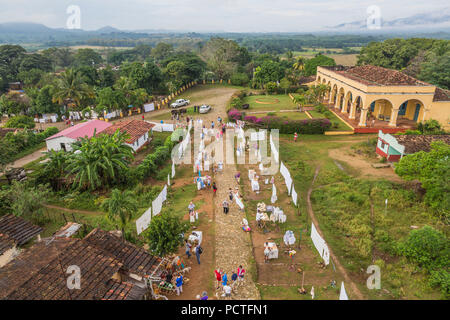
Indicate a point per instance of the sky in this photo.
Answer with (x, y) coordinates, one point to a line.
(212, 15)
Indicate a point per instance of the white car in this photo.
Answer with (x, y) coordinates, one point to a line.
(204, 109)
(179, 103)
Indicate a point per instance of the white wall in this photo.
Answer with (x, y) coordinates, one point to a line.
(140, 142)
(55, 144)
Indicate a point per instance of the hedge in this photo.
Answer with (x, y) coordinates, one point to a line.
(309, 126)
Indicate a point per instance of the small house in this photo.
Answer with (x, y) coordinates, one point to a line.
(394, 147)
(137, 131)
(64, 139)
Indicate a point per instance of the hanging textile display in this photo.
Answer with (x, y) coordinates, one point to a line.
(320, 245)
(294, 195)
(289, 238)
(287, 177)
(143, 221)
(274, 150)
(168, 179)
(173, 169)
(239, 202)
(157, 206)
(343, 294)
(274, 197)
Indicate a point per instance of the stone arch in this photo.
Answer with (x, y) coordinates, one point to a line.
(412, 109)
(333, 92)
(348, 100)
(357, 105)
(340, 98)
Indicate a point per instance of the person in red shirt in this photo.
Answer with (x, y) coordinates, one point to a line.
(142, 117)
(295, 137)
(218, 277)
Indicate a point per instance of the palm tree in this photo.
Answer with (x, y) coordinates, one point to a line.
(71, 89)
(299, 64)
(99, 160)
(120, 208)
(300, 101)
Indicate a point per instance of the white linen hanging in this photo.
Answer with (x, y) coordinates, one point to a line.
(294, 195)
(343, 294)
(320, 245)
(274, 197)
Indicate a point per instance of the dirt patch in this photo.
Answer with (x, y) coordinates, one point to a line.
(362, 165)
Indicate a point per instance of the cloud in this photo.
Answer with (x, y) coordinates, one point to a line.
(207, 15)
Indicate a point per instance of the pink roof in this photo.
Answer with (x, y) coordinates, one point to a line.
(82, 130)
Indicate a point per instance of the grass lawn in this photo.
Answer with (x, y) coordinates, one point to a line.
(283, 103)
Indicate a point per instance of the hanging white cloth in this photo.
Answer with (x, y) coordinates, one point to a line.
(287, 177)
(294, 195)
(289, 238)
(274, 197)
(312, 292)
(143, 221)
(173, 169)
(320, 245)
(343, 294)
(168, 179)
(239, 202)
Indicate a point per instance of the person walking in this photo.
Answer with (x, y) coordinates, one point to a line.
(188, 248)
(195, 109)
(227, 292)
(212, 124)
(240, 273)
(230, 194)
(191, 207)
(295, 137)
(198, 252)
(224, 279)
(234, 277)
(226, 207)
(143, 118)
(218, 277)
(214, 188)
(179, 284)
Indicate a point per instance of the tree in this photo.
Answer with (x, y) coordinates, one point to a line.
(55, 168)
(285, 84)
(430, 168)
(71, 89)
(222, 56)
(269, 71)
(43, 103)
(162, 51)
(100, 162)
(270, 87)
(299, 64)
(430, 126)
(147, 76)
(30, 77)
(164, 235)
(35, 61)
(435, 70)
(22, 121)
(319, 60)
(87, 57)
(239, 79)
(106, 77)
(120, 207)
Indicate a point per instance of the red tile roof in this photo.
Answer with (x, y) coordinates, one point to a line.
(18, 229)
(123, 291)
(134, 128)
(415, 143)
(441, 95)
(377, 76)
(81, 130)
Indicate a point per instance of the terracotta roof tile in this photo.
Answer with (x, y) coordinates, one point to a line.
(377, 76)
(134, 128)
(18, 229)
(416, 143)
(123, 291)
(441, 95)
(135, 259)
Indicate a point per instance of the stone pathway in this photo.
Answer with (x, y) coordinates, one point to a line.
(233, 245)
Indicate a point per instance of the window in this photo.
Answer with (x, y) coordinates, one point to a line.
(402, 110)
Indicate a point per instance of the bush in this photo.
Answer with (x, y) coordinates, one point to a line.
(441, 279)
(270, 87)
(427, 247)
(234, 114)
(23, 122)
(236, 103)
(309, 126)
(239, 79)
(321, 108)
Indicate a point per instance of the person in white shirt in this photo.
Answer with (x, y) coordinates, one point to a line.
(227, 291)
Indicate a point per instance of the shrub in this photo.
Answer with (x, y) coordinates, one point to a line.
(270, 87)
(239, 79)
(427, 247)
(236, 103)
(321, 108)
(21, 121)
(441, 278)
(234, 114)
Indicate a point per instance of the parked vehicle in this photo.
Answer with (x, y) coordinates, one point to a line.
(179, 103)
(205, 108)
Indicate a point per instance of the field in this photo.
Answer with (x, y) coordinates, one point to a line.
(272, 103)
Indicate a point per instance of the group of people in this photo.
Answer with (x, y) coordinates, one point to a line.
(227, 286)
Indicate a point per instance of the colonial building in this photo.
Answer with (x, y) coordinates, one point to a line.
(368, 96)
(394, 147)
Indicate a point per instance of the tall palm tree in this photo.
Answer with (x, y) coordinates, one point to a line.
(120, 208)
(99, 160)
(71, 88)
(299, 64)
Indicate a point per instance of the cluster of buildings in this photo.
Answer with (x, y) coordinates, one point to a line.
(35, 268)
(137, 130)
